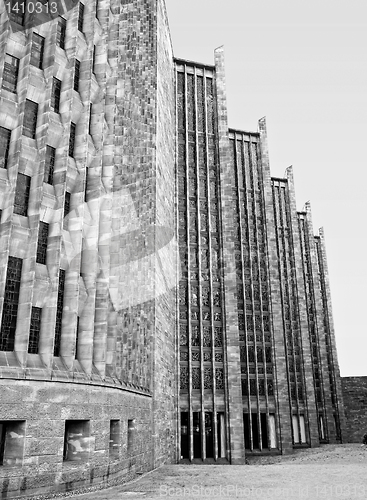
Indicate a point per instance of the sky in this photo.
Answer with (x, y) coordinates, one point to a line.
(303, 65)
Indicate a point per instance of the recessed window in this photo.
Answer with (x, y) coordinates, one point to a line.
(34, 330)
(11, 301)
(42, 243)
(48, 176)
(90, 118)
(59, 311)
(130, 434)
(37, 49)
(22, 190)
(12, 437)
(55, 95)
(76, 75)
(5, 135)
(10, 74)
(30, 119)
(114, 438)
(76, 440)
(72, 139)
(81, 17)
(61, 32)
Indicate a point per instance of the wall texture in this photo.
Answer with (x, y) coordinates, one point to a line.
(355, 407)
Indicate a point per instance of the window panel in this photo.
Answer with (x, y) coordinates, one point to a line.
(60, 307)
(11, 301)
(81, 17)
(42, 243)
(72, 139)
(37, 49)
(49, 165)
(34, 330)
(76, 75)
(30, 119)
(10, 74)
(61, 32)
(5, 135)
(22, 194)
(55, 95)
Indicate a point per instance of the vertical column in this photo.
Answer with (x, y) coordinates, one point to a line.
(333, 357)
(232, 350)
(319, 324)
(279, 354)
(310, 406)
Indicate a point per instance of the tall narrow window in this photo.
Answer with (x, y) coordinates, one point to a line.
(48, 176)
(60, 307)
(66, 209)
(77, 338)
(42, 243)
(34, 330)
(37, 49)
(22, 194)
(72, 139)
(114, 438)
(55, 95)
(10, 74)
(90, 118)
(76, 75)
(130, 434)
(61, 32)
(11, 301)
(30, 119)
(81, 17)
(94, 59)
(5, 135)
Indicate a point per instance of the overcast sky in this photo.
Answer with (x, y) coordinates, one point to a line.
(303, 65)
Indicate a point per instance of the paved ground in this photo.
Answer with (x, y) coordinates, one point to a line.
(333, 472)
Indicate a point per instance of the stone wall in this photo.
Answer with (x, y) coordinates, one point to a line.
(36, 459)
(355, 408)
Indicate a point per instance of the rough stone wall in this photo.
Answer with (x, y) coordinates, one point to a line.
(355, 408)
(45, 406)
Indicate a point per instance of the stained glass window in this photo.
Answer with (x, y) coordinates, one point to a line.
(10, 308)
(5, 135)
(30, 119)
(42, 243)
(59, 310)
(34, 330)
(22, 194)
(10, 74)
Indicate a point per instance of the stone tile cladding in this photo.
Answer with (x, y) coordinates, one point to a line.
(355, 407)
(118, 321)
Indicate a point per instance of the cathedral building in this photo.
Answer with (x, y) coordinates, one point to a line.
(161, 298)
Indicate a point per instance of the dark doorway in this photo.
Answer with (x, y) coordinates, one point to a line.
(197, 434)
(255, 431)
(246, 430)
(264, 430)
(209, 434)
(185, 434)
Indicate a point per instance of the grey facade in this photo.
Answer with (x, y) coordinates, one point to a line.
(160, 296)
